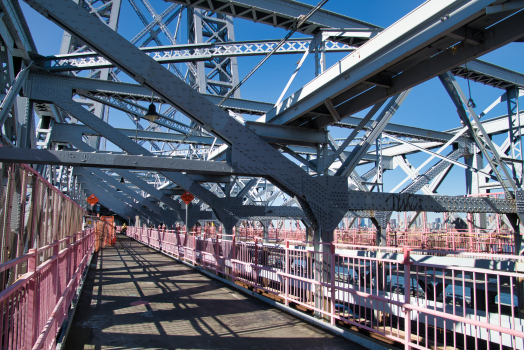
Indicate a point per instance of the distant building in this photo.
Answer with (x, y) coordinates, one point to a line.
(393, 223)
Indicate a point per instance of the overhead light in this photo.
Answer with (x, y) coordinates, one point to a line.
(151, 114)
(122, 180)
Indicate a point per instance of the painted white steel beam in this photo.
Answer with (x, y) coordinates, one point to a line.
(489, 74)
(413, 34)
(187, 53)
(280, 13)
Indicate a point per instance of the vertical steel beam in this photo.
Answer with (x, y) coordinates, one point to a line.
(515, 134)
(473, 181)
(222, 73)
(71, 44)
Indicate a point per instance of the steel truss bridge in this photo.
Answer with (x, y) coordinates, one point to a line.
(57, 117)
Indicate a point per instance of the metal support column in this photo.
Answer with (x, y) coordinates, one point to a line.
(515, 135)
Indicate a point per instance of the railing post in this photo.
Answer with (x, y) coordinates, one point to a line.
(233, 256)
(256, 265)
(286, 267)
(407, 298)
(68, 258)
(56, 272)
(218, 263)
(177, 244)
(33, 302)
(333, 281)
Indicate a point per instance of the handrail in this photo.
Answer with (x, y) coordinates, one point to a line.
(366, 286)
(35, 293)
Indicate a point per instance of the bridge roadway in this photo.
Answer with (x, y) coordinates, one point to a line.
(135, 297)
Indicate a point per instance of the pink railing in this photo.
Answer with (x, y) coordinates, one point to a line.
(35, 306)
(440, 307)
(497, 242)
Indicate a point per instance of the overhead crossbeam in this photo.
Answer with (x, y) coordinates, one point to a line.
(187, 53)
(402, 58)
(287, 135)
(283, 14)
(489, 74)
(111, 90)
(251, 152)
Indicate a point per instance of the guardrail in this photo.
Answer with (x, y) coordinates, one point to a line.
(496, 242)
(440, 306)
(33, 308)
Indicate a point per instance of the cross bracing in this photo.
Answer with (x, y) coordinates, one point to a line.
(290, 156)
(189, 53)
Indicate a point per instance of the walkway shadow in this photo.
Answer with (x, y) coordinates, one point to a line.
(140, 299)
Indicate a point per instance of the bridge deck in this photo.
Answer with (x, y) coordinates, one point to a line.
(138, 298)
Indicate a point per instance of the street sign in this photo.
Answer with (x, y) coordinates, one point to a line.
(92, 199)
(187, 197)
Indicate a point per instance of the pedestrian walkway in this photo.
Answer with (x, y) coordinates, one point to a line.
(135, 297)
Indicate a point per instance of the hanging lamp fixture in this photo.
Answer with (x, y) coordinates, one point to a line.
(151, 114)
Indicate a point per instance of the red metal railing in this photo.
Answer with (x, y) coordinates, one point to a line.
(418, 305)
(35, 306)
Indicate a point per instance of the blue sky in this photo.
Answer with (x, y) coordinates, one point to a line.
(427, 106)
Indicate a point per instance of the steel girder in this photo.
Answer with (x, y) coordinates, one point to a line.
(143, 201)
(420, 181)
(493, 126)
(104, 187)
(489, 74)
(60, 97)
(108, 15)
(156, 78)
(283, 13)
(16, 26)
(108, 90)
(109, 201)
(11, 96)
(186, 53)
(286, 135)
(401, 130)
(371, 135)
(515, 135)
(351, 200)
(369, 75)
(477, 132)
(116, 161)
(76, 141)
